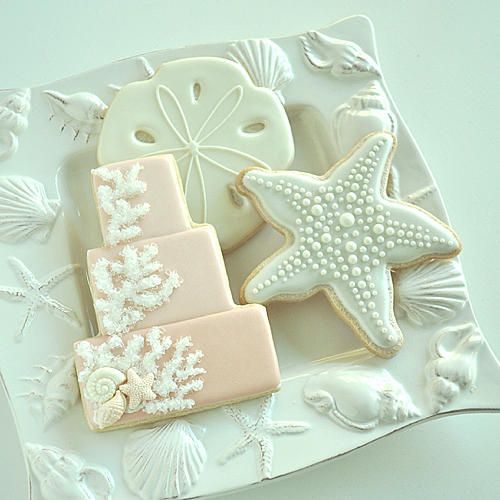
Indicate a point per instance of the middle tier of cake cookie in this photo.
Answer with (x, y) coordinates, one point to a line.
(193, 255)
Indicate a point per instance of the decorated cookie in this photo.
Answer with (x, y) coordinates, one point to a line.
(343, 237)
(171, 340)
(209, 114)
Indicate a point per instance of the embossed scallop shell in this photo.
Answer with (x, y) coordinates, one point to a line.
(358, 397)
(25, 209)
(65, 475)
(430, 293)
(14, 111)
(111, 411)
(265, 62)
(165, 461)
(82, 111)
(103, 383)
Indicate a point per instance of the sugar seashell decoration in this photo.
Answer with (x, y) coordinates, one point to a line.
(165, 461)
(14, 111)
(62, 474)
(83, 112)
(111, 411)
(341, 57)
(453, 365)
(265, 62)
(429, 293)
(366, 112)
(359, 398)
(103, 383)
(25, 210)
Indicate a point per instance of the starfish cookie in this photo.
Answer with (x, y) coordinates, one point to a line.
(138, 389)
(344, 235)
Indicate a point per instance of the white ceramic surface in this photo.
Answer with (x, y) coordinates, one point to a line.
(296, 363)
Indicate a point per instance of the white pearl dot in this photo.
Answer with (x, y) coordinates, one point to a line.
(317, 210)
(346, 219)
(378, 228)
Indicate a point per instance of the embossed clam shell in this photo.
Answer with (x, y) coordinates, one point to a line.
(102, 384)
(430, 293)
(366, 112)
(111, 411)
(265, 62)
(163, 462)
(359, 397)
(25, 209)
(65, 475)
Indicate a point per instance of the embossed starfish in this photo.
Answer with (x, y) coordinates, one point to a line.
(344, 235)
(138, 389)
(36, 294)
(260, 432)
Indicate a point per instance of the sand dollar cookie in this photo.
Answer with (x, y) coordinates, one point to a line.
(344, 235)
(207, 113)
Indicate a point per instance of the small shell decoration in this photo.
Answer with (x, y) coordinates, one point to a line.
(265, 62)
(83, 112)
(453, 365)
(163, 462)
(25, 210)
(62, 474)
(358, 397)
(430, 293)
(341, 57)
(366, 112)
(111, 411)
(103, 383)
(14, 111)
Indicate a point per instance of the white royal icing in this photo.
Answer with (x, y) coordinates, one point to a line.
(344, 236)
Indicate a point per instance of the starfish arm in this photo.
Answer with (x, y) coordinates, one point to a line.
(26, 276)
(62, 312)
(266, 449)
(239, 417)
(52, 279)
(27, 321)
(418, 235)
(236, 449)
(366, 302)
(275, 193)
(274, 277)
(277, 428)
(12, 293)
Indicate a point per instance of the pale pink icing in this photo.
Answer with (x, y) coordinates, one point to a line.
(239, 359)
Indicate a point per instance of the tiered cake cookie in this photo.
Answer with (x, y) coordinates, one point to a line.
(172, 340)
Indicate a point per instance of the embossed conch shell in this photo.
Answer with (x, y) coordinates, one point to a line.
(453, 367)
(25, 209)
(358, 397)
(14, 113)
(265, 62)
(61, 392)
(82, 111)
(64, 475)
(366, 112)
(102, 384)
(163, 462)
(431, 292)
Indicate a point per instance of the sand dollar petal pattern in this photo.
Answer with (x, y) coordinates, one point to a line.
(207, 113)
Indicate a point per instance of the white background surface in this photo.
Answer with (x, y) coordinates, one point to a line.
(440, 60)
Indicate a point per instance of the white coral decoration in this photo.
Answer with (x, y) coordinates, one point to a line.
(175, 376)
(113, 199)
(132, 285)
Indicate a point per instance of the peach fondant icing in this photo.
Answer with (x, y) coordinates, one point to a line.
(171, 340)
